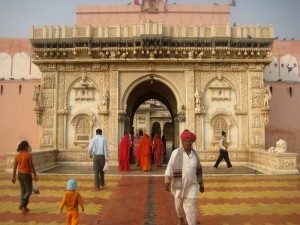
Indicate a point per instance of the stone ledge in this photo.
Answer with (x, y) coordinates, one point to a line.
(42, 160)
(273, 163)
(260, 160)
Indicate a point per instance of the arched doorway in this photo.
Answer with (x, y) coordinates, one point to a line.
(152, 90)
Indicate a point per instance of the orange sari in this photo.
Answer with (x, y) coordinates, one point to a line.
(145, 153)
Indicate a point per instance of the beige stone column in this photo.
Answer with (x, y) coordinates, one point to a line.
(111, 122)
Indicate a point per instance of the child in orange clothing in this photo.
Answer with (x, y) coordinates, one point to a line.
(71, 200)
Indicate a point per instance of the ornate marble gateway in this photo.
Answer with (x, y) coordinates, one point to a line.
(209, 77)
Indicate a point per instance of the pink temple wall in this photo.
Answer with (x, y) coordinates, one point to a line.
(18, 120)
(131, 14)
(284, 122)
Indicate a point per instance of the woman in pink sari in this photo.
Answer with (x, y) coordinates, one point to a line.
(124, 153)
(136, 144)
(158, 149)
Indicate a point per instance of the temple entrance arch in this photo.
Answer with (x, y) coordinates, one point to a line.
(162, 96)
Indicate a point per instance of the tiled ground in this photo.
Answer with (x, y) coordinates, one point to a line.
(140, 200)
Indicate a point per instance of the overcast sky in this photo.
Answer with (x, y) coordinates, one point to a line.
(17, 16)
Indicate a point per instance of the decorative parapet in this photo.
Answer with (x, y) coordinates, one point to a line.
(273, 163)
(153, 41)
(151, 29)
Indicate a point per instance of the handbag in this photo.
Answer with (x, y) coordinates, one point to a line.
(35, 188)
(106, 167)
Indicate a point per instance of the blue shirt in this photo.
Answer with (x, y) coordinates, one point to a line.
(98, 146)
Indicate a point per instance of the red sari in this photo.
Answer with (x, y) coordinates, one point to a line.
(145, 153)
(158, 149)
(124, 153)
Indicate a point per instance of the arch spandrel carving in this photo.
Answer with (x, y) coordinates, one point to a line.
(164, 78)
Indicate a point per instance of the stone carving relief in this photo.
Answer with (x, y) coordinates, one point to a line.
(256, 81)
(220, 121)
(150, 6)
(84, 91)
(267, 96)
(256, 119)
(281, 147)
(83, 122)
(198, 98)
(49, 81)
(287, 163)
(37, 97)
(257, 138)
(47, 120)
(47, 139)
(256, 99)
(48, 98)
(220, 90)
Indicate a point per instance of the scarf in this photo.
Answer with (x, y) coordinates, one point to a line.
(177, 169)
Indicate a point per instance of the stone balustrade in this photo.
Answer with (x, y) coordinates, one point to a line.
(260, 160)
(151, 29)
(273, 163)
(42, 160)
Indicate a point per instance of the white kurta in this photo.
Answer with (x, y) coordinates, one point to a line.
(190, 186)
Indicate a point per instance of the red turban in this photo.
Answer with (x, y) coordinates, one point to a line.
(188, 135)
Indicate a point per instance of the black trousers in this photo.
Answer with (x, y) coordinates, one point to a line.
(223, 155)
(98, 164)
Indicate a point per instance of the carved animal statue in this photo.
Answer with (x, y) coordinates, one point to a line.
(281, 147)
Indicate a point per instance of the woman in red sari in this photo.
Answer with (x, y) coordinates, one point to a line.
(158, 149)
(145, 153)
(124, 153)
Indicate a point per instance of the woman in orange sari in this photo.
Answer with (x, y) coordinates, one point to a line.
(145, 153)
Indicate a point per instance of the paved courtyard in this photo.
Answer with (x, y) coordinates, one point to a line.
(139, 198)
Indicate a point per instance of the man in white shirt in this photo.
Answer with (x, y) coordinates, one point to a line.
(98, 151)
(184, 178)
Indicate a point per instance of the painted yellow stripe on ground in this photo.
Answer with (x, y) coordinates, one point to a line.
(249, 194)
(62, 184)
(53, 193)
(49, 208)
(244, 184)
(10, 222)
(250, 177)
(249, 209)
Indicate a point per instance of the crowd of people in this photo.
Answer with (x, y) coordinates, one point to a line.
(143, 150)
(183, 175)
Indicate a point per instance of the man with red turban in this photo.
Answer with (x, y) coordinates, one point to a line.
(184, 178)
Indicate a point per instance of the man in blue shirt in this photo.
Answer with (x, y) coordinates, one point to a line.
(99, 153)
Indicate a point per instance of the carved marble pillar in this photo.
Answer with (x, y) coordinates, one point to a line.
(113, 116)
(190, 100)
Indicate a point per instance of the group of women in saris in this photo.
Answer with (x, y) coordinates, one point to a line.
(144, 147)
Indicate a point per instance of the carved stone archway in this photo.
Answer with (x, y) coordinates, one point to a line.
(151, 89)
